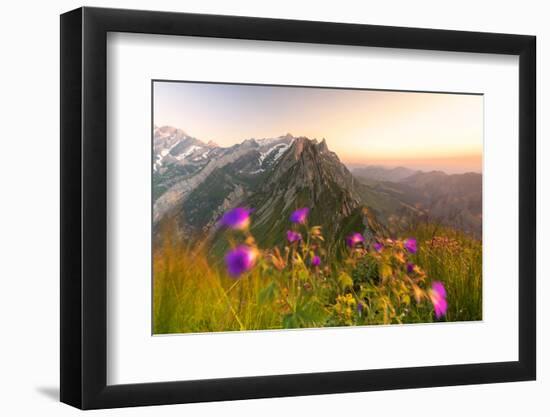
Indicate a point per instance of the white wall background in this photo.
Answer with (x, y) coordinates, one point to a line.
(29, 225)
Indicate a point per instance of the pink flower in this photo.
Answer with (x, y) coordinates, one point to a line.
(438, 295)
(410, 245)
(354, 239)
(315, 261)
(293, 236)
(377, 246)
(300, 215)
(240, 260)
(238, 218)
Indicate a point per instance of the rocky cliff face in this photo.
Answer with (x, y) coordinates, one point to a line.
(178, 192)
(308, 175)
(274, 177)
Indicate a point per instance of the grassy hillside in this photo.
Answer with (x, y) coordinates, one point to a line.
(304, 285)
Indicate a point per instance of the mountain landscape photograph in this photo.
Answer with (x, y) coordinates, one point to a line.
(280, 207)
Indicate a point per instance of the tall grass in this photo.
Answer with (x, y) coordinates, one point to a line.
(454, 258)
(193, 293)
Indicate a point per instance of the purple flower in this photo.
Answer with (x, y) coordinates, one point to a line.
(410, 245)
(300, 215)
(360, 307)
(378, 246)
(293, 236)
(438, 295)
(238, 218)
(315, 261)
(240, 260)
(354, 239)
(410, 267)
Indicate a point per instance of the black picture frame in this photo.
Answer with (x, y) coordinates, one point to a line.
(84, 207)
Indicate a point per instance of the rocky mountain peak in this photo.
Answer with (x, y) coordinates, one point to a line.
(323, 147)
(287, 136)
(305, 147)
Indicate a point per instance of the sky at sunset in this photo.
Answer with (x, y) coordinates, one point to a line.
(364, 127)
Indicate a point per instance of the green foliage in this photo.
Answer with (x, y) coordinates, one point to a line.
(455, 259)
(357, 286)
(345, 281)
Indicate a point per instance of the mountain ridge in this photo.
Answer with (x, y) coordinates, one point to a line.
(193, 187)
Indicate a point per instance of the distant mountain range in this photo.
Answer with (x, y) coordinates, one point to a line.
(194, 183)
(449, 199)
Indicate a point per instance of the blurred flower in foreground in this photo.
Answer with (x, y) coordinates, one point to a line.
(300, 215)
(410, 245)
(410, 267)
(315, 261)
(293, 236)
(238, 218)
(377, 246)
(438, 295)
(354, 239)
(240, 259)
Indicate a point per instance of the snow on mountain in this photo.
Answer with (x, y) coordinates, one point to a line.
(267, 151)
(174, 146)
(271, 156)
(189, 151)
(183, 162)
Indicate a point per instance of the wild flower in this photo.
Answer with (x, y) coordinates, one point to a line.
(279, 262)
(300, 215)
(315, 261)
(345, 304)
(438, 296)
(293, 236)
(377, 246)
(312, 283)
(410, 245)
(316, 233)
(399, 256)
(237, 218)
(240, 260)
(354, 239)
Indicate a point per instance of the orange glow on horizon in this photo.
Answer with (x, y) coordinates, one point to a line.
(413, 129)
(450, 164)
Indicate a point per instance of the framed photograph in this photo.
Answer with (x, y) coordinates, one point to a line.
(257, 208)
